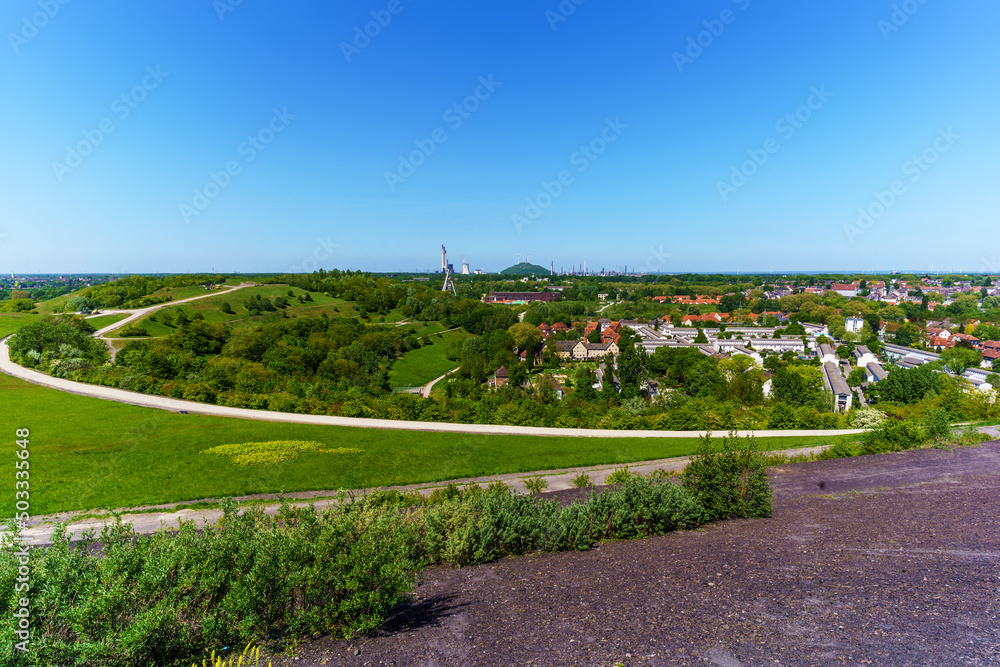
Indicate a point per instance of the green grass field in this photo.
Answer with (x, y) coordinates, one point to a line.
(11, 322)
(102, 321)
(88, 453)
(420, 366)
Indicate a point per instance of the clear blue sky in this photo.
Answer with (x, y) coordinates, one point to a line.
(331, 114)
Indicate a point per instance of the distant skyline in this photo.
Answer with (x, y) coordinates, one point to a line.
(731, 136)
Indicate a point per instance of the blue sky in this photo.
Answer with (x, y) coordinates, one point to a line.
(730, 135)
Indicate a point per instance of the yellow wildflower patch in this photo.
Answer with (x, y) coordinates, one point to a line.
(273, 451)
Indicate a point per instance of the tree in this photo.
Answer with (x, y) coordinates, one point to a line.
(80, 303)
(987, 332)
(226, 308)
(731, 302)
(958, 359)
(781, 417)
(701, 338)
(583, 380)
(856, 377)
(517, 375)
(632, 367)
(594, 337)
(526, 336)
(797, 385)
(906, 385)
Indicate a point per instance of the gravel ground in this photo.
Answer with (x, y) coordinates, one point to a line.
(878, 560)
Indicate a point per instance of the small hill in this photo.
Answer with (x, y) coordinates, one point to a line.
(525, 269)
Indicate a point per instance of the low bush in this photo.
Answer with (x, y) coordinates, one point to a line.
(536, 484)
(462, 533)
(731, 480)
(843, 450)
(892, 436)
(619, 476)
(936, 425)
(582, 480)
(129, 601)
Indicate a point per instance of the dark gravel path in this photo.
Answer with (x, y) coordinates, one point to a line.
(881, 560)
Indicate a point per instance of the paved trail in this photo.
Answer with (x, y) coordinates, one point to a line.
(177, 405)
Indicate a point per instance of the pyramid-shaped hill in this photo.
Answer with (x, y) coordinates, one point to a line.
(525, 269)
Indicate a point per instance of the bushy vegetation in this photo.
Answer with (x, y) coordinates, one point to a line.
(129, 600)
(729, 480)
(134, 291)
(58, 345)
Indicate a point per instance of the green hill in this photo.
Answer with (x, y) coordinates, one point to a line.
(525, 269)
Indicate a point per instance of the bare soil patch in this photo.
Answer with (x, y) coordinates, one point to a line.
(881, 560)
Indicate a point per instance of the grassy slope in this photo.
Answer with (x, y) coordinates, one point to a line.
(11, 322)
(420, 366)
(88, 453)
(211, 308)
(104, 320)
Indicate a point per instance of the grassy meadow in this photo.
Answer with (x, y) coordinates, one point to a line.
(420, 366)
(88, 453)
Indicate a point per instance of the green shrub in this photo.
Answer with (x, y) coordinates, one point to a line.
(619, 476)
(127, 600)
(582, 480)
(731, 480)
(536, 484)
(843, 450)
(892, 436)
(936, 424)
(489, 527)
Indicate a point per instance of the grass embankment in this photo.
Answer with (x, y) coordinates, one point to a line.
(11, 322)
(88, 453)
(211, 307)
(102, 321)
(420, 366)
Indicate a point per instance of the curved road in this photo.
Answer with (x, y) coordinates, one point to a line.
(177, 405)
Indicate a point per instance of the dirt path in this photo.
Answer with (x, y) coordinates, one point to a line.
(425, 391)
(138, 313)
(147, 521)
